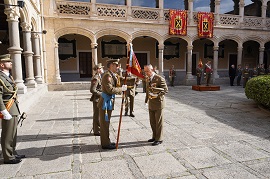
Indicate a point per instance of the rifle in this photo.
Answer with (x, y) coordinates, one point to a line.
(22, 118)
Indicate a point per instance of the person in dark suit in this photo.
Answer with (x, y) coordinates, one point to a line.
(156, 88)
(9, 109)
(106, 102)
(95, 89)
(232, 73)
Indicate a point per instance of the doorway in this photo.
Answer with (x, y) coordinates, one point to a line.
(233, 60)
(85, 64)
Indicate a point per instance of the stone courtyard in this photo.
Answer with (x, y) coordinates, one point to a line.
(219, 134)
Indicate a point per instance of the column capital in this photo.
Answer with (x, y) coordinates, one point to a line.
(190, 47)
(217, 2)
(56, 44)
(12, 14)
(35, 36)
(215, 48)
(94, 45)
(261, 49)
(240, 48)
(161, 46)
(190, 0)
(26, 26)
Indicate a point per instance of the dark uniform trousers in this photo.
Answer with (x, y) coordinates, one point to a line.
(208, 77)
(96, 123)
(129, 103)
(9, 138)
(156, 123)
(105, 127)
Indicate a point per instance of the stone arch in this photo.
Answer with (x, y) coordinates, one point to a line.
(254, 38)
(75, 30)
(148, 33)
(185, 38)
(214, 39)
(235, 38)
(24, 14)
(34, 24)
(115, 32)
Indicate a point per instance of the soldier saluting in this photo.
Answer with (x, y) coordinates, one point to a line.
(95, 89)
(10, 111)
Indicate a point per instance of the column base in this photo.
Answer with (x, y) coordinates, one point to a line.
(22, 89)
(31, 83)
(190, 80)
(38, 80)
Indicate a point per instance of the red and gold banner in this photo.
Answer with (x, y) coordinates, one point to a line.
(205, 24)
(178, 22)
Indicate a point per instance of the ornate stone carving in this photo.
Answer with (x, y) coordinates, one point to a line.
(230, 20)
(111, 11)
(253, 22)
(142, 13)
(166, 15)
(73, 8)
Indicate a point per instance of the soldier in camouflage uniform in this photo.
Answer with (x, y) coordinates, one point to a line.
(245, 74)
(239, 74)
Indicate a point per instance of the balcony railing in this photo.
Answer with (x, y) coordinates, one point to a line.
(151, 15)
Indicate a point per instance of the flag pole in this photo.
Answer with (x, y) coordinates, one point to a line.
(123, 98)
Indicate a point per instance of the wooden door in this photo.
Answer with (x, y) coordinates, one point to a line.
(85, 63)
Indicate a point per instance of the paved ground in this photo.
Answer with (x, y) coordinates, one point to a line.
(207, 135)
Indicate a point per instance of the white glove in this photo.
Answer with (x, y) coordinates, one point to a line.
(6, 115)
(152, 94)
(146, 104)
(124, 87)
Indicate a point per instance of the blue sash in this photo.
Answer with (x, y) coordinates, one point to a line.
(107, 103)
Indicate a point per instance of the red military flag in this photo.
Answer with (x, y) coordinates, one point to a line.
(178, 22)
(134, 66)
(205, 24)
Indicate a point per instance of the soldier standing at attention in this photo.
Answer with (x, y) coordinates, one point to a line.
(208, 72)
(199, 71)
(106, 102)
(245, 74)
(172, 75)
(10, 111)
(261, 70)
(95, 89)
(254, 72)
(156, 88)
(130, 95)
(268, 70)
(239, 74)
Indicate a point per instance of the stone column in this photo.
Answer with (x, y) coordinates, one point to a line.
(217, 8)
(56, 60)
(15, 49)
(94, 47)
(241, 11)
(28, 55)
(261, 57)
(129, 10)
(264, 7)
(161, 10)
(189, 77)
(239, 55)
(93, 8)
(37, 58)
(215, 65)
(160, 59)
(190, 8)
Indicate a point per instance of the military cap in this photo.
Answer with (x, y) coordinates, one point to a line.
(115, 61)
(157, 90)
(5, 58)
(97, 66)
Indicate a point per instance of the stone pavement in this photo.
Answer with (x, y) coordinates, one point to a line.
(218, 134)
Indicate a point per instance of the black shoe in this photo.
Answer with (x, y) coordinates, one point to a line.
(156, 143)
(126, 113)
(110, 147)
(136, 93)
(151, 140)
(19, 156)
(97, 134)
(112, 143)
(14, 161)
(132, 115)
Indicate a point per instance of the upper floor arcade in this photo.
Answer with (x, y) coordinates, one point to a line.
(240, 14)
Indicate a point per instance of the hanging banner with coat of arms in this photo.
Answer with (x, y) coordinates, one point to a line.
(178, 22)
(205, 24)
